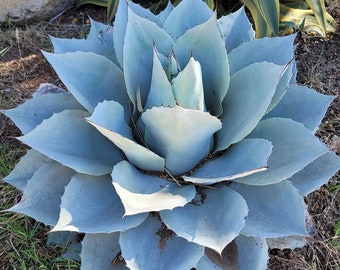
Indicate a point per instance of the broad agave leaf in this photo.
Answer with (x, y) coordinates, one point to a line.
(180, 139)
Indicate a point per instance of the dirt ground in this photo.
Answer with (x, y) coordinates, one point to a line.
(23, 69)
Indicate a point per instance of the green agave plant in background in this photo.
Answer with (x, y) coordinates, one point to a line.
(181, 138)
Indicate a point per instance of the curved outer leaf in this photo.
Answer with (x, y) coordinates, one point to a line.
(30, 114)
(182, 136)
(160, 93)
(91, 205)
(205, 44)
(244, 158)
(141, 193)
(141, 35)
(303, 105)
(25, 169)
(187, 87)
(270, 210)
(41, 196)
(101, 80)
(247, 101)
(294, 147)
(153, 247)
(163, 15)
(186, 15)
(235, 29)
(317, 173)
(99, 250)
(62, 45)
(68, 139)
(214, 223)
(278, 50)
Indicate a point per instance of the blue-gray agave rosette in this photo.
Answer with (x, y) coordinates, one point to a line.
(181, 137)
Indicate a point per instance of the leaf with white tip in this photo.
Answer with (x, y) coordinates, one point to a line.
(141, 192)
(270, 210)
(41, 196)
(99, 250)
(182, 136)
(100, 80)
(91, 205)
(244, 158)
(205, 44)
(25, 169)
(68, 139)
(160, 93)
(187, 87)
(247, 101)
(294, 147)
(317, 173)
(141, 37)
(30, 114)
(186, 15)
(303, 105)
(152, 246)
(214, 222)
(236, 29)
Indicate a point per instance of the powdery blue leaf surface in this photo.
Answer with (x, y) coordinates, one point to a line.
(101, 33)
(100, 80)
(213, 222)
(303, 105)
(160, 93)
(205, 44)
(244, 158)
(68, 139)
(137, 154)
(294, 147)
(99, 250)
(279, 50)
(186, 15)
(141, 37)
(91, 205)
(247, 101)
(317, 173)
(252, 253)
(30, 114)
(41, 196)
(236, 29)
(187, 87)
(25, 169)
(282, 86)
(68, 240)
(111, 115)
(151, 246)
(270, 210)
(182, 136)
(246, 253)
(163, 15)
(141, 192)
(120, 24)
(62, 45)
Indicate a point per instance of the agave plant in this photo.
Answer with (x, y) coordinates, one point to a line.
(181, 138)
